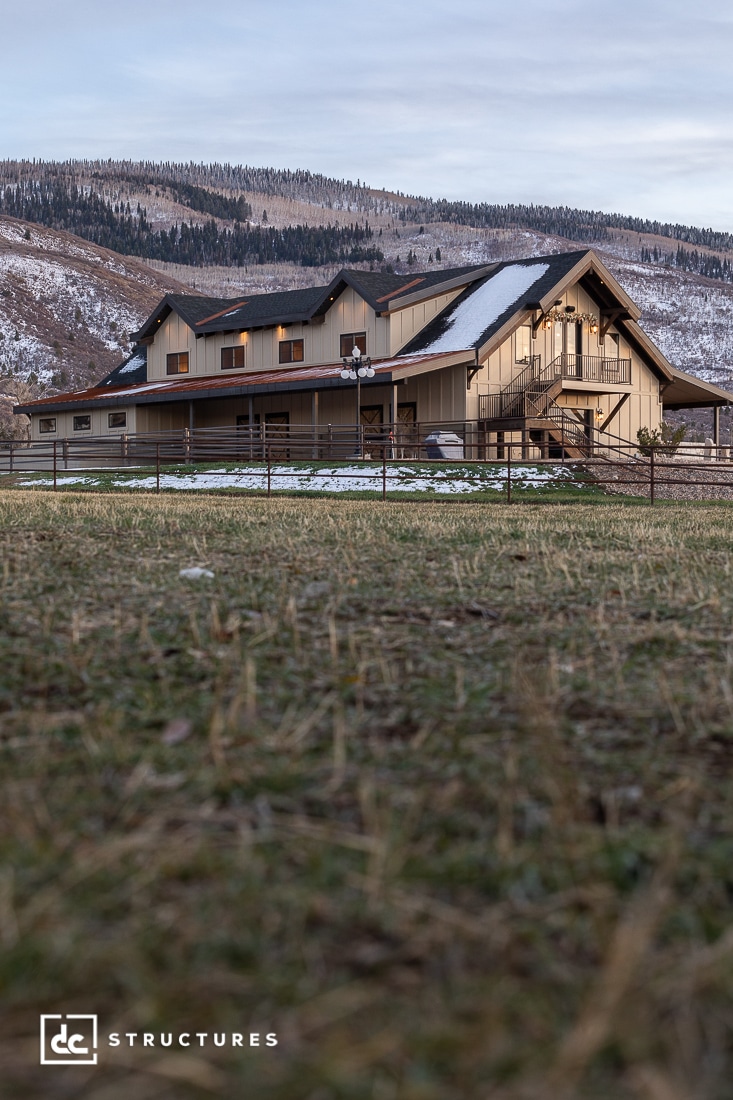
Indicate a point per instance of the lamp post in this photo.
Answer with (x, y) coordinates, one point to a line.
(357, 368)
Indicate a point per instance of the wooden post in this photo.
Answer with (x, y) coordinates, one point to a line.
(651, 475)
(716, 426)
(269, 472)
(11, 457)
(509, 473)
(55, 462)
(157, 467)
(314, 422)
(384, 472)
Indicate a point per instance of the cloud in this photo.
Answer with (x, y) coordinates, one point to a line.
(480, 100)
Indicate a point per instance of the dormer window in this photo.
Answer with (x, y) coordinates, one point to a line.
(351, 340)
(176, 363)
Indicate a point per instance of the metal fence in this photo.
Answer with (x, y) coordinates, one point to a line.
(385, 457)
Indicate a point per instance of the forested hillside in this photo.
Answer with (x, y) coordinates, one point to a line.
(114, 204)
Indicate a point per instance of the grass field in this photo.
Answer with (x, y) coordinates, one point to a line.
(438, 793)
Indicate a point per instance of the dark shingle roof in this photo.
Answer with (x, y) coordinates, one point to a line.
(208, 315)
(557, 267)
(130, 373)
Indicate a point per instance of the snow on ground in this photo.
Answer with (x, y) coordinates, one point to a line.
(339, 479)
(479, 310)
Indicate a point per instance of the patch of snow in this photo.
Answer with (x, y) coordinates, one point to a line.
(357, 478)
(138, 361)
(479, 310)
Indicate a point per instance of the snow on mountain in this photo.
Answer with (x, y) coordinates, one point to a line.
(67, 307)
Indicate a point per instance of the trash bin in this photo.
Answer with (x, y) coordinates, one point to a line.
(444, 445)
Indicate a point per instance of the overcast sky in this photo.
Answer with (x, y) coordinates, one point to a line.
(618, 107)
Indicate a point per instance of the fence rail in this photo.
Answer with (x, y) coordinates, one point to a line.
(378, 454)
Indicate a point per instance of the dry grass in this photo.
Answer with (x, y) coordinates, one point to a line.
(438, 793)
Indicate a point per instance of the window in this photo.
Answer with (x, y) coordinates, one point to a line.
(83, 423)
(117, 420)
(291, 351)
(232, 358)
(176, 363)
(351, 340)
(523, 348)
(47, 424)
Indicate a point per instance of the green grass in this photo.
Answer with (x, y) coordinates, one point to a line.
(439, 794)
(570, 484)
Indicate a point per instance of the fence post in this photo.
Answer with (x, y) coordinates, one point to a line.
(55, 462)
(651, 475)
(157, 467)
(269, 472)
(509, 473)
(11, 457)
(384, 473)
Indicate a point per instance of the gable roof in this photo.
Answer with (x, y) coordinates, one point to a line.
(381, 290)
(508, 290)
(515, 291)
(131, 372)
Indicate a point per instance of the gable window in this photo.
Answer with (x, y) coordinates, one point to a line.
(291, 351)
(523, 338)
(47, 424)
(232, 358)
(83, 423)
(117, 420)
(351, 340)
(176, 363)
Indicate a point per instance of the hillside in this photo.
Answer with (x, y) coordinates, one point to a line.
(68, 304)
(67, 307)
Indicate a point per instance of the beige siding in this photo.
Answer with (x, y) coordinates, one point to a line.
(99, 424)
(321, 342)
(406, 323)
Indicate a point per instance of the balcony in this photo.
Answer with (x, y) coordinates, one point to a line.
(592, 368)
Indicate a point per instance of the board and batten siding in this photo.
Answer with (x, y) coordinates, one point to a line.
(321, 342)
(406, 323)
(99, 423)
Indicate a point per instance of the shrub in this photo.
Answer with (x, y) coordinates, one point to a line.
(665, 440)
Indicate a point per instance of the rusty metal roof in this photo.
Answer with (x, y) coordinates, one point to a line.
(243, 382)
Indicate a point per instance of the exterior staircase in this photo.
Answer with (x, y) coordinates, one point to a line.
(528, 402)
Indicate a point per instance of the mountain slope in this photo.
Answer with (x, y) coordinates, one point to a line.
(67, 307)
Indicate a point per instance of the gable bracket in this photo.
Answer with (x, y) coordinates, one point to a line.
(471, 373)
(608, 316)
(622, 401)
(538, 321)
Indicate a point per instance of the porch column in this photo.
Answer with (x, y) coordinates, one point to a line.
(314, 422)
(191, 416)
(716, 425)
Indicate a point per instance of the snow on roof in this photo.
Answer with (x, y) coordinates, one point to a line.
(134, 364)
(485, 305)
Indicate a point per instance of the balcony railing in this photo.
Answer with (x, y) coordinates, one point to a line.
(593, 368)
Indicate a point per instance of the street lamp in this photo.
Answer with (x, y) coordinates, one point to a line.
(355, 369)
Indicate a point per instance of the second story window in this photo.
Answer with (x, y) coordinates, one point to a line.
(351, 340)
(176, 363)
(232, 358)
(524, 343)
(291, 351)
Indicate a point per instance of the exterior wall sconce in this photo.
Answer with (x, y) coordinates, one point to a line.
(599, 414)
(594, 327)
